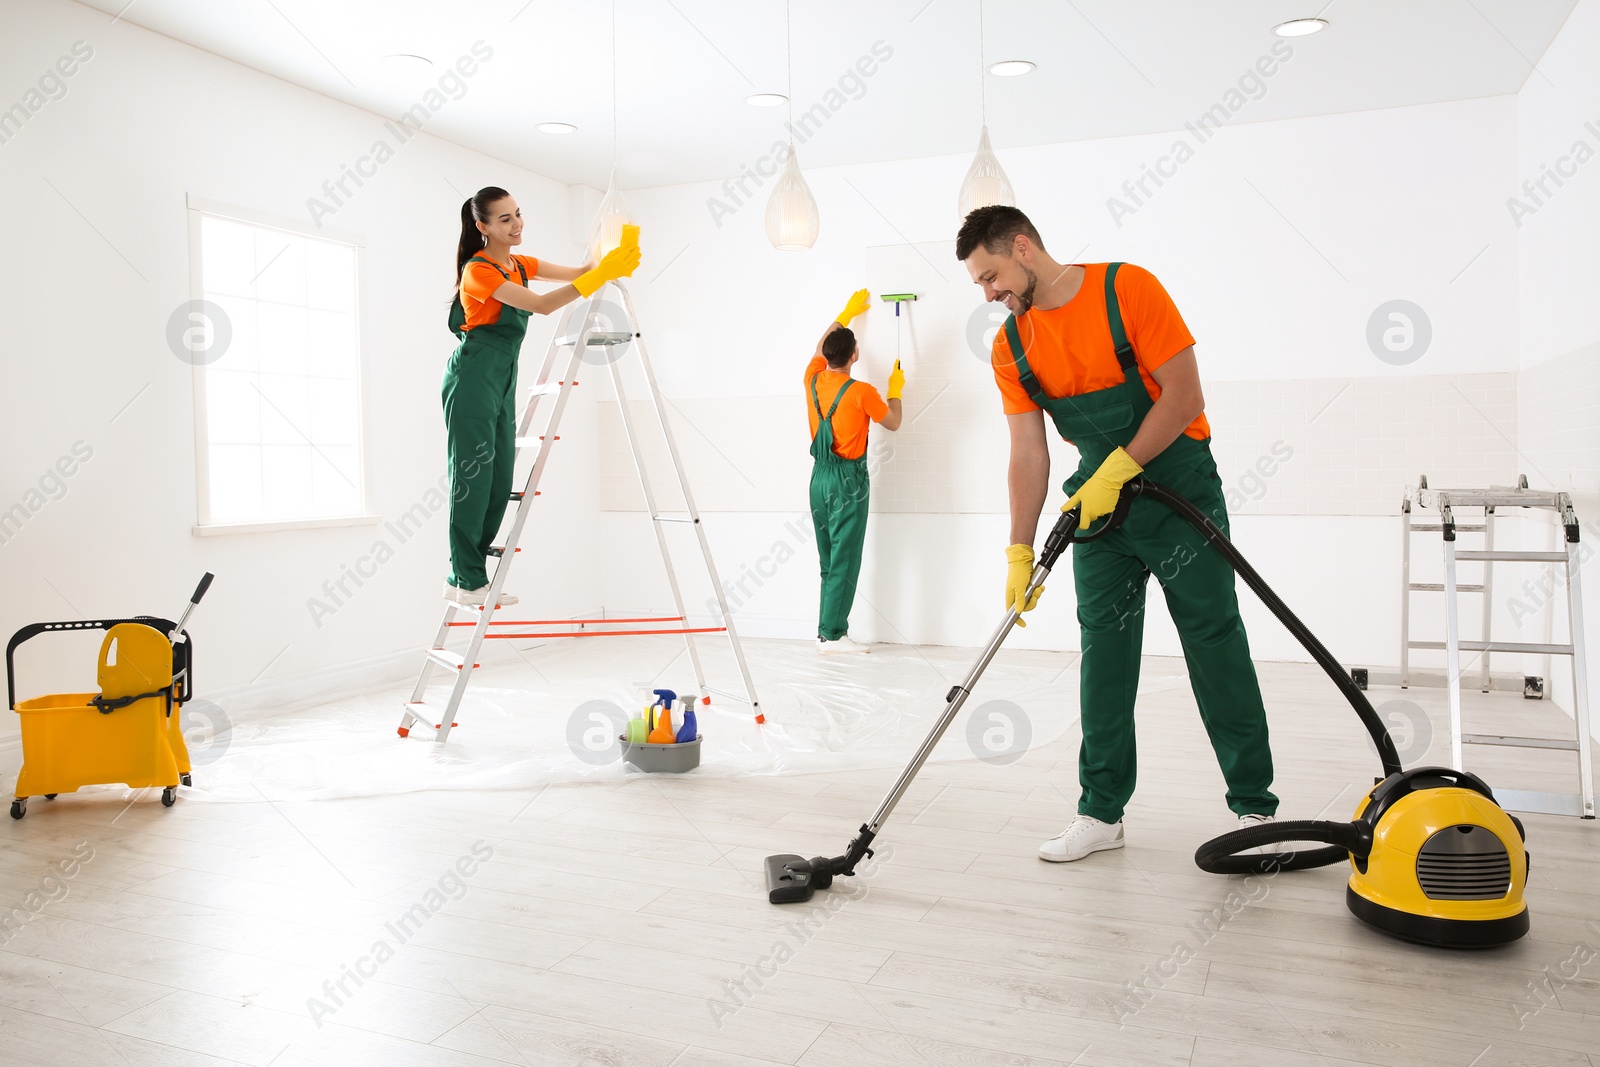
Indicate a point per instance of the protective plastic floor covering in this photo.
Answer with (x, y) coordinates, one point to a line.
(554, 716)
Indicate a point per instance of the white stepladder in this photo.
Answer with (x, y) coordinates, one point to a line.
(1445, 502)
(419, 714)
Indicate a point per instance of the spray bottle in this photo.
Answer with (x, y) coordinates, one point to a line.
(690, 729)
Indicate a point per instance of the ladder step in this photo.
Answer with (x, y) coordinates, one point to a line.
(518, 494)
(1526, 647)
(1519, 742)
(549, 388)
(1510, 557)
(598, 339)
(1438, 527)
(1438, 587)
(499, 550)
(419, 713)
(677, 518)
(445, 658)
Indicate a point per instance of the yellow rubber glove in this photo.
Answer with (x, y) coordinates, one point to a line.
(620, 262)
(1099, 494)
(859, 301)
(897, 381)
(1018, 574)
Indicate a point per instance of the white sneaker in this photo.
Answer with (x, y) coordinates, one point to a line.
(1248, 821)
(475, 598)
(841, 647)
(1086, 834)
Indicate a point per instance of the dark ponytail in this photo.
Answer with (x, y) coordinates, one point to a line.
(475, 209)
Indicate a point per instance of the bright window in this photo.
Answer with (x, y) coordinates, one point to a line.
(280, 406)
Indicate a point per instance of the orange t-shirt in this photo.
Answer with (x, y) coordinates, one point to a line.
(478, 284)
(860, 408)
(1070, 350)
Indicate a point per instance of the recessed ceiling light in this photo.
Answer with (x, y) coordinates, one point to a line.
(1299, 27)
(556, 127)
(1011, 68)
(766, 100)
(408, 61)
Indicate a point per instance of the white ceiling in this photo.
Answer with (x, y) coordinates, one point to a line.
(1106, 68)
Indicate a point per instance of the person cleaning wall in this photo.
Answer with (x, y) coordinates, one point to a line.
(1102, 348)
(841, 411)
(489, 316)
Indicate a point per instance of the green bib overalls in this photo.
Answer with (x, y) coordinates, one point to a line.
(480, 418)
(839, 499)
(1111, 573)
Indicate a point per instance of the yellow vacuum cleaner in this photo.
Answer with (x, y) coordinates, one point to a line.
(1433, 858)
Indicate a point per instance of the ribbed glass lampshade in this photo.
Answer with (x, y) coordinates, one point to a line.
(986, 183)
(792, 219)
(613, 214)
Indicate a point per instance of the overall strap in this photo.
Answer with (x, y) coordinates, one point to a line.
(1119, 336)
(817, 403)
(522, 271)
(848, 382)
(1024, 372)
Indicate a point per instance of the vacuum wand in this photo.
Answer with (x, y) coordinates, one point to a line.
(793, 878)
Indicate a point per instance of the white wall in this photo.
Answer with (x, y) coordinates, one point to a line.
(1278, 241)
(1558, 225)
(97, 258)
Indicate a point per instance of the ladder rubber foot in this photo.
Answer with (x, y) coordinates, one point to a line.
(761, 718)
(402, 731)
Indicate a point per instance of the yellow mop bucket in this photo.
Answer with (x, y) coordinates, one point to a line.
(129, 732)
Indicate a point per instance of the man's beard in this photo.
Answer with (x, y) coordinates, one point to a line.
(1025, 298)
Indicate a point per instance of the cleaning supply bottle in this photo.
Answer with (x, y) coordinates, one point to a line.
(662, 734)
(690, 730)
(638, 728)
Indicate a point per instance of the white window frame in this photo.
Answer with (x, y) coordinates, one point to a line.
(197, 208)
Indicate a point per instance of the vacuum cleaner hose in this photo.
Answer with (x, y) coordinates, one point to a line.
(1220, 855)
(1219, 540)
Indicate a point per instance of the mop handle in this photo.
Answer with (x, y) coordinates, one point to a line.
(176, 636)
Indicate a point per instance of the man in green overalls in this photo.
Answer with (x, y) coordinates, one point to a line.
(1102, 348)
(841, 410)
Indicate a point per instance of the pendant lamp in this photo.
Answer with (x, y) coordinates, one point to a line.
(605, 233)
(986, 182)
(792, 219)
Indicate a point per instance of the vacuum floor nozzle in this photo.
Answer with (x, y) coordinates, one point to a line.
(792, 879)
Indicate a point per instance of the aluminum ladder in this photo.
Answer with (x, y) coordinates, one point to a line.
(1445, 502)
(1531, 686)
(418, 712)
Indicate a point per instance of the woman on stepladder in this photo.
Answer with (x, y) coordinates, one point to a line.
(489, 317)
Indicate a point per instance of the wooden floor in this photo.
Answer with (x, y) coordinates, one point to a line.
(622, 920)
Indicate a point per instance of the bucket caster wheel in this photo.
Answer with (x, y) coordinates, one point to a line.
(186, 779)
(169, 796)
(19, 807)
(51, 796)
